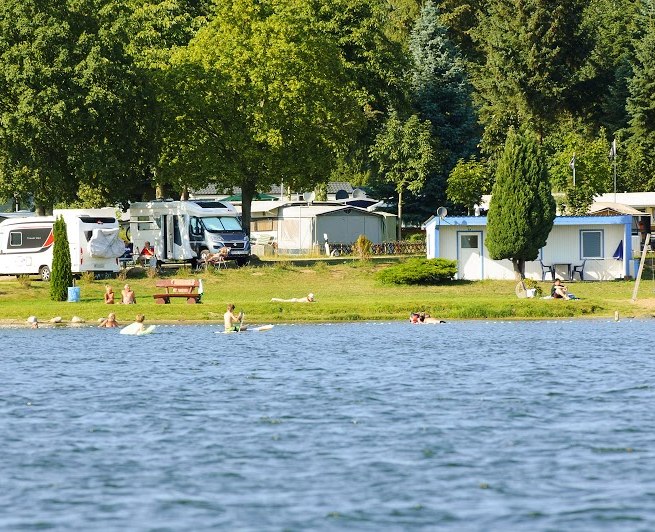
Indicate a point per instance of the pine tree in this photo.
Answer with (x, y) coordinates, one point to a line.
(641, 143)
(535, 51)
(522, 208)
(62, 276)
(441, 93)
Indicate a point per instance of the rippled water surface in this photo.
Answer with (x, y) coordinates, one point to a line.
(377, 426)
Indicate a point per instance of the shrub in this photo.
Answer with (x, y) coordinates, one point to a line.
(87, 277)
(419, 271)
(531, 283)
(24, 281)
(362, 247)
(62, 276)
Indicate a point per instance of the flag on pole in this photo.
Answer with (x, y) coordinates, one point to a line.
(613, 150)
(572, 163)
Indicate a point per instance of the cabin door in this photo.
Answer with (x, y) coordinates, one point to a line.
(469, 255)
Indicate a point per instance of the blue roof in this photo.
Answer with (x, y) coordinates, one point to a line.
(481, 221)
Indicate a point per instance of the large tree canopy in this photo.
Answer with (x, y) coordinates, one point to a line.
(522, 207)
(534, 52)
(73, 108)
(267, 97)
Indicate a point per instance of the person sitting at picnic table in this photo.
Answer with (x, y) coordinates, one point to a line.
(232, 322)
(128, 297)
(307, 299)
(109, 321)
(559, 291)
(109, 295)
(147, 254)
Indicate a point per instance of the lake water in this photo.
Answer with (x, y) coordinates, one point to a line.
(377, 426)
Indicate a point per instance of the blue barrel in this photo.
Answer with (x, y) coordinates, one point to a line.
(73, 294)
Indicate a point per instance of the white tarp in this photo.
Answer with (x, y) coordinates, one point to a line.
(105, 244)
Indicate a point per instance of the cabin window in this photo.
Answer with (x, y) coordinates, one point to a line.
(592, 244)
(469, 241)
(15, 239)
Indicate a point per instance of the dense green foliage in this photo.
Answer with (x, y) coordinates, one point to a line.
(405, 154)
(522, 207)
(104, 101)
(62, 276)
(419, 272)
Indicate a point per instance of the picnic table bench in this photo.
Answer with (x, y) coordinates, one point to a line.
(186, 288)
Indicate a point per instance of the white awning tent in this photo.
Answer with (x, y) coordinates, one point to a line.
(300, 227)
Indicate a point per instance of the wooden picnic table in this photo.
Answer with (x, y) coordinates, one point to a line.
(186, 288)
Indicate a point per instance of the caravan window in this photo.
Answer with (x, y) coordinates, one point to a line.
(216, 224)
(15, 239)
(591, 243)
(145, 223)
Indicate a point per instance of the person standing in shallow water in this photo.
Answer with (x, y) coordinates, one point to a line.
(109, 321)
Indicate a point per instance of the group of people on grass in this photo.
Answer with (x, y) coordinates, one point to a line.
(127, 295)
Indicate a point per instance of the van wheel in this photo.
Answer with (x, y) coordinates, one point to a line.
(44, 273)
(204, 253)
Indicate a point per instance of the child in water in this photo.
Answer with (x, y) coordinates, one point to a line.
(109, 321)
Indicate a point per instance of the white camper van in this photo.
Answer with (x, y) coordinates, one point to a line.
(26, 244)
(188, 230)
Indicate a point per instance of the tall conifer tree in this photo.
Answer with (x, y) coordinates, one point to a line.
(62, 276)
(441, 93)
(522, 208)
(641, 143)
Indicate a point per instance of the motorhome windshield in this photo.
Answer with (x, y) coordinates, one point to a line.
(216, 224)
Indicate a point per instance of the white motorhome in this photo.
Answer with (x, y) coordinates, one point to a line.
(188, 230)
(26, 244)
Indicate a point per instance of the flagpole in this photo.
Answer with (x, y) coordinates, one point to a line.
(573, 169)
(613, 152)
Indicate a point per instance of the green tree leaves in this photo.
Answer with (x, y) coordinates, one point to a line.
(62, 276)
(522, 207)
(405, 154)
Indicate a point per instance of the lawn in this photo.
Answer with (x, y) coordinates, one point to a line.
(345, 291)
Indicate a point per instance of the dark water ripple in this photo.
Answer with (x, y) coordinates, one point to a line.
(462, 426)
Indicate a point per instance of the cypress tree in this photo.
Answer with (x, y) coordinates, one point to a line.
(62, 276)
(522, 208)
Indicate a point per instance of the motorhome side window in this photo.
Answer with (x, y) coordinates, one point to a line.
(145, 223)
(195, 226)
(15, 239)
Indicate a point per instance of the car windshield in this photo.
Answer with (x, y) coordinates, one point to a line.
(215, 224)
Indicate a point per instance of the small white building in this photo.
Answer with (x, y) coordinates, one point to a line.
(299, 227)
(598, 246)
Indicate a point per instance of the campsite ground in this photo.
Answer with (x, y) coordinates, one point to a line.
(346, 290)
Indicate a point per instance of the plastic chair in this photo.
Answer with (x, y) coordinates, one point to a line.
(579, 269)
(547, 269)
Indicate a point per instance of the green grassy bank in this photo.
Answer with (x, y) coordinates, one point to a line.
(344, 292)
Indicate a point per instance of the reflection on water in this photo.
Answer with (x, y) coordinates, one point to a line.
(466, 425)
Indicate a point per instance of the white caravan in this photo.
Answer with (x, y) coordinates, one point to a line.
(188, 230)
(26, 244)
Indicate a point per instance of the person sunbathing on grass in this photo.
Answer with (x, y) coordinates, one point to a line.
(308, 299)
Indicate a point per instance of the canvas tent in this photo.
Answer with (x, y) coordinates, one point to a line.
(299, 227)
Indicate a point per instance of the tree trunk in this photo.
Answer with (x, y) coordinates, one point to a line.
(185, 194)
(519, 269)
(400, 215)
(247, 194)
